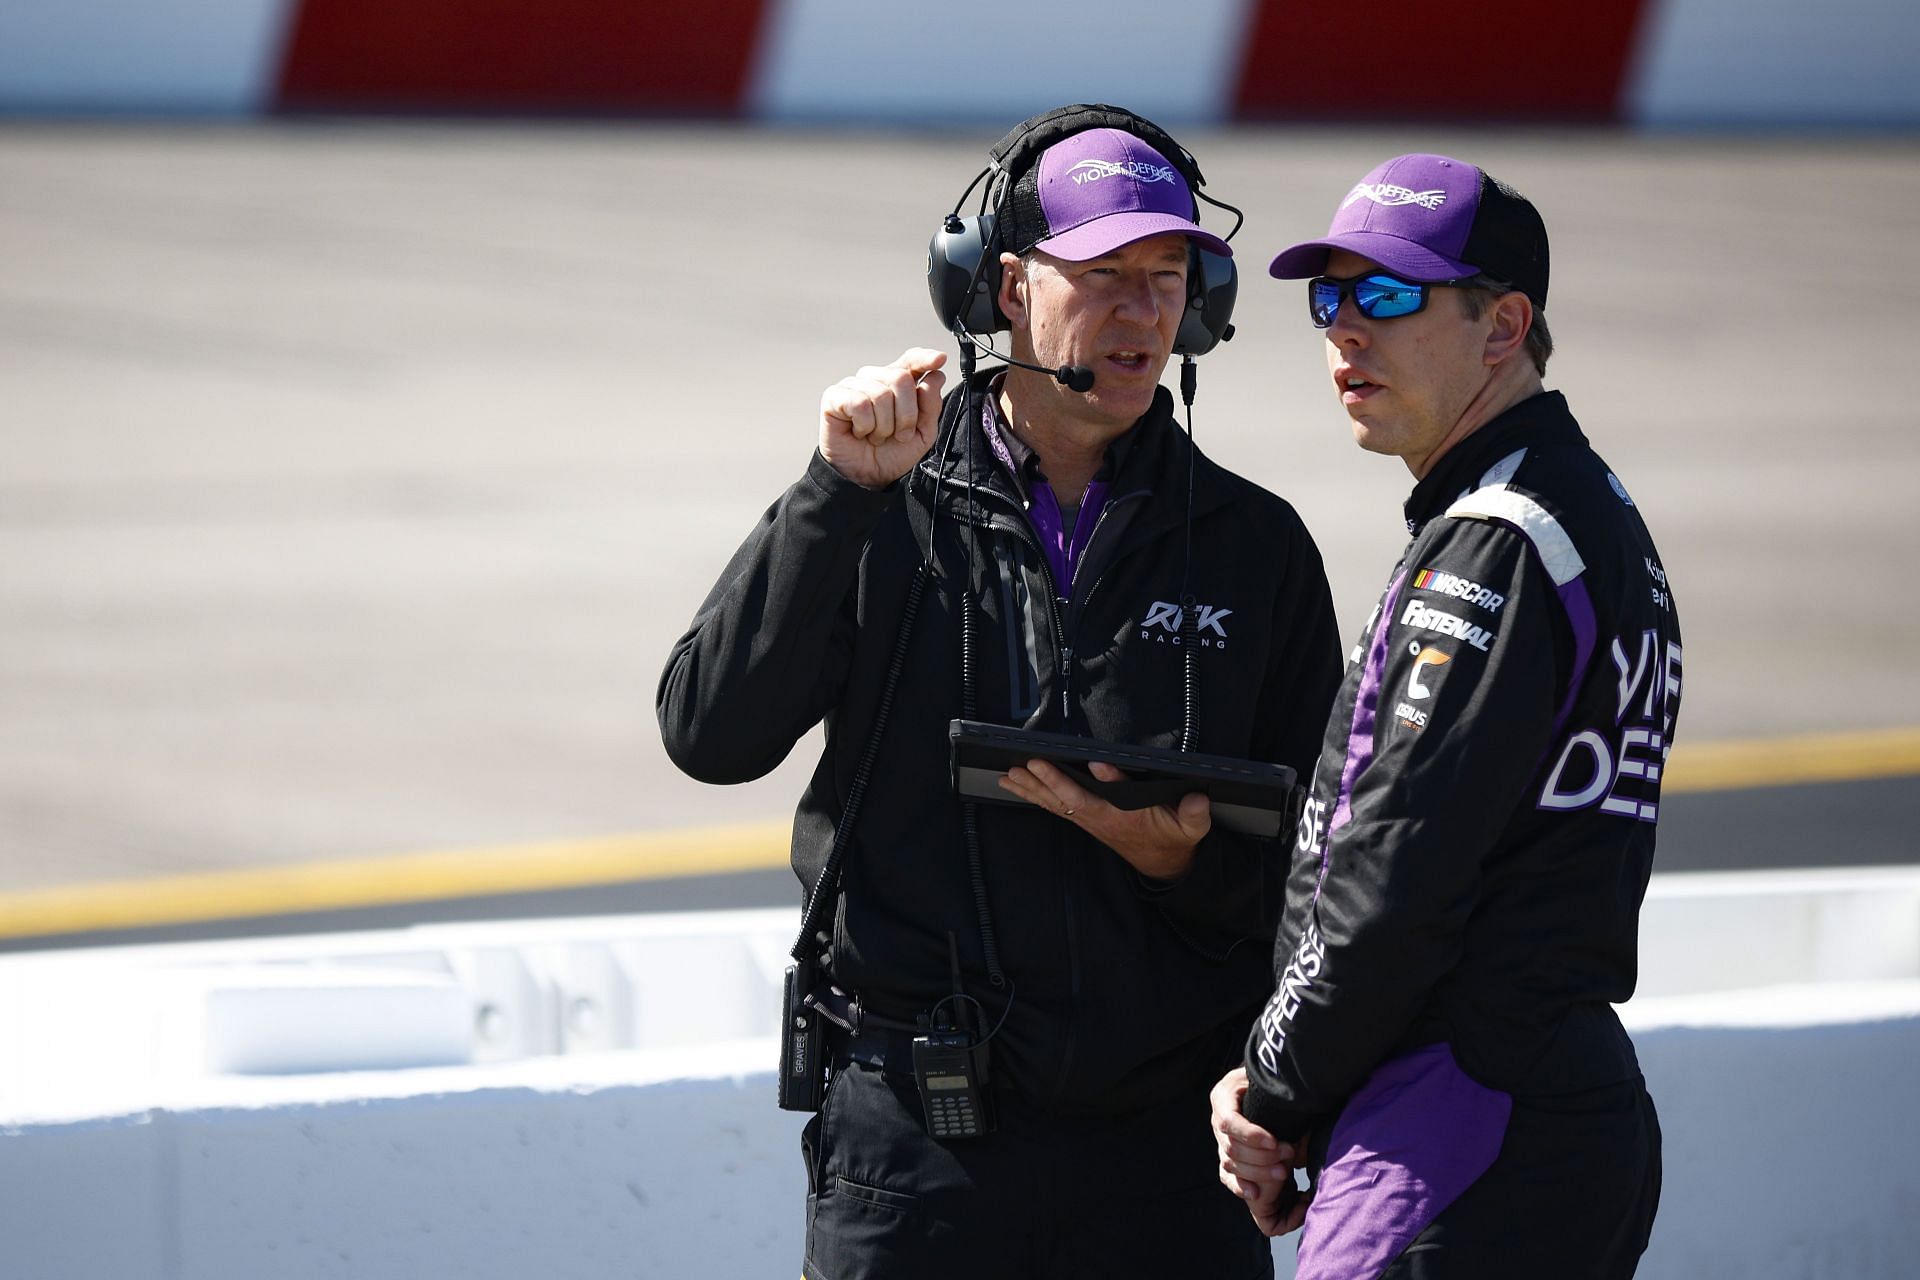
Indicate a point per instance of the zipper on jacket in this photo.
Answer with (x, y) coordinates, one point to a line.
(1106, 511)
(1021, 529)
(1066, 650)
(1066, 668)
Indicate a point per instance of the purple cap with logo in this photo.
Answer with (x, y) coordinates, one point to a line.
(1428, 217)
(1102, 189)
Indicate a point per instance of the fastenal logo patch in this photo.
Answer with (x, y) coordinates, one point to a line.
(1390, 196)
(1165, 624)
(1447, 584)
(1442, 623)
(1094, 170)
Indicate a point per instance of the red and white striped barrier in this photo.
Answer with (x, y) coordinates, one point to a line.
(1649, 62)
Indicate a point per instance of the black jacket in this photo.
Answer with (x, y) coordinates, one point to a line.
(1470, 867)
(1125, 991)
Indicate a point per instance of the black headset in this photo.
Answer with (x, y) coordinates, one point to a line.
(963, 258)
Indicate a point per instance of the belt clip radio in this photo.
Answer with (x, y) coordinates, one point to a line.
(803, 1044)
(951, 1071)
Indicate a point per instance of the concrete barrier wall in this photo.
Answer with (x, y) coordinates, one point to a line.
(1650, 62)
(1790, 1153)
(1791, 1131)
(111, 1026)
(148, 1130)
(664, 1162)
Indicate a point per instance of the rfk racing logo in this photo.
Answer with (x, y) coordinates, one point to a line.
(1386, 193)
(1621, 774)
(1094, 170)
(1166, 622)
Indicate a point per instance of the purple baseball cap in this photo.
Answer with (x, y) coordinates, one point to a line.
(1429, 217)
(1097, 191)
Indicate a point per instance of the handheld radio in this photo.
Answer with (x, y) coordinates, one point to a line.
(951, 1071)
(803, 1043)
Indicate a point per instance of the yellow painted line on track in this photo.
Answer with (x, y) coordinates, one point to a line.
(391, 879)
(536, 868)
(1778, 762)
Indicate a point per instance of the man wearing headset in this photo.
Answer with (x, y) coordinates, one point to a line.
(1440, 1051)
(1091, 574)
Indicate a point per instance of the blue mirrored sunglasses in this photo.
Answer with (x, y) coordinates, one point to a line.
(1378, 295)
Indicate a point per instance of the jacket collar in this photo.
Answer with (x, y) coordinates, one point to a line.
(1018, 461)
(1149, 457)
(1539, 422)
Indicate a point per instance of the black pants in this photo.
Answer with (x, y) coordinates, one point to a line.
(1044, 1197)
(1571, 1196)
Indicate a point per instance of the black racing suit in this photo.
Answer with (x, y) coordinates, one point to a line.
(1463, 908)
(1124, 997)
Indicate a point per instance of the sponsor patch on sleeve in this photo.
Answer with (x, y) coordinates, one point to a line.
(1466, 590)
(1442, 623)
(1427, 660)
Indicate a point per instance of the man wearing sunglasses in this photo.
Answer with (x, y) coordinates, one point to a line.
(1440, 1054)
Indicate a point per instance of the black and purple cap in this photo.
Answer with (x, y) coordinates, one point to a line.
(1426, 217)
(1097, 191)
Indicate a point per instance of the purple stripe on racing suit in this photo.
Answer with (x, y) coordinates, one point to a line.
(1365, 707)
(1386, 1179)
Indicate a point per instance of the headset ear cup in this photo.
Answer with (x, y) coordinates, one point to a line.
(963, 275)
(1213, 282)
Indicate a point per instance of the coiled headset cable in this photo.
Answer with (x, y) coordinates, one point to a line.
(827, 885)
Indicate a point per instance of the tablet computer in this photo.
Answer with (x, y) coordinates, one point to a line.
(1247, 795)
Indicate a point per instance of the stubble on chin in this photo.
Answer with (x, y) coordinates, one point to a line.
(1372, 438)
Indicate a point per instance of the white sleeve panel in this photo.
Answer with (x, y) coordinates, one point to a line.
(1557, 553)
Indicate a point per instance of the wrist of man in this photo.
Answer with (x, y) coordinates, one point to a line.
(837, 485)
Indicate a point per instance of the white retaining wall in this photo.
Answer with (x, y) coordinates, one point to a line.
(1778, 1030)
(661, 1163)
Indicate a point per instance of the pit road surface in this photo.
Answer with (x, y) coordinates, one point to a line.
(359, 477)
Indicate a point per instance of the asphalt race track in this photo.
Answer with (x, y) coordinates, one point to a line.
(358, 477)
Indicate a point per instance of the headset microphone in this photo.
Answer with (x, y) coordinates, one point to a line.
(1074, 377)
